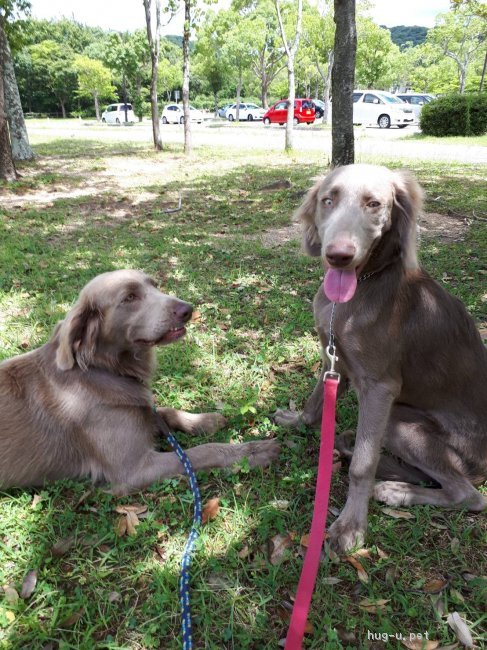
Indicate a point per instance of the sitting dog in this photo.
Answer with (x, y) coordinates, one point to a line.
(80, 406)
(409, 349)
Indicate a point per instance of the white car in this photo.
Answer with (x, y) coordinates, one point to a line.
(378, 107)
(115, 114)
(247, 112)
(174, 114)
(416, 100)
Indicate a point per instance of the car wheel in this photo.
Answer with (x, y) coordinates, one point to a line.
(230, 118)
(117, 121)
(295, 121)
(164, 120)
(402, 126)
(181, 119)
(266, 121)
(250, 118)
(103, 120)
(384, 121)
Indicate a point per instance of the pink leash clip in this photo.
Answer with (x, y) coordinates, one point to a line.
(311, 563)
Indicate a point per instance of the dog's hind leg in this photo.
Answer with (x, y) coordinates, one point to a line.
(415, 439)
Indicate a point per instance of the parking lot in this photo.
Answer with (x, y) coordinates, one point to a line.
(370, 141)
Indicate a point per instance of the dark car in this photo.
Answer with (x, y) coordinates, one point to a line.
(304, 111)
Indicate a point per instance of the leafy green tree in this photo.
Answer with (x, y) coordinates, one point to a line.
(94, 80)
(128, 57)
(54, 63)
(377, 55)
(170, 73)
(267, 51)
(212, 58)
(318, 38)
(291, 36)
(425, 69)
(461, 36)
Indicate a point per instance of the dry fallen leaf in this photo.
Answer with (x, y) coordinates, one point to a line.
(121, 526)
(11, 595)
(362, 552)
(63, 546)
(361, 573)
(382, 554)
(434, 586)
(28, 585)
(398, 514)
(244, 552)
(374, 606)
(420, 644)
(316, 366)
(132, 523)
(114, 596)
(304, 541)
(438, 603)
(336, 467)
(210, 510)
(277, 548)
(331, 580)
(135, 508)
(73, 619)
(35, 500)
(458, 625)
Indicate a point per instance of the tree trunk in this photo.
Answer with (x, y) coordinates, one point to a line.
(345, 48)
(21, 149)
(63, 108)
(187, 116)
(154, 44)
(288, 145)
(7, 166)
(482, 77)
(326, 88)
(239, 92)
(97, 106)
(291, 54)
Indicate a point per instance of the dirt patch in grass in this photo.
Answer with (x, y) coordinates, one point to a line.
(444, 227)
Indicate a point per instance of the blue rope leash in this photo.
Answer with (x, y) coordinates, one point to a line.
(193, 536)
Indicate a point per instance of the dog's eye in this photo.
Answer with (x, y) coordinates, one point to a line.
(130, 298)
(373, 204)
(327, 200)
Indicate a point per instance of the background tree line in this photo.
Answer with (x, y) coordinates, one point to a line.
(66, 68)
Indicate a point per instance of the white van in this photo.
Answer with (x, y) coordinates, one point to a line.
(378, 107)
(115, 114)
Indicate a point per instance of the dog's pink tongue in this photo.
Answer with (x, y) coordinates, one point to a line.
(339, 285)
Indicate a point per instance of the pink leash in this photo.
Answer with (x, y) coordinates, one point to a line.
(309, 571)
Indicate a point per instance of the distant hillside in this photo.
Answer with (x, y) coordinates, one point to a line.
(402, 34)
(177, 40)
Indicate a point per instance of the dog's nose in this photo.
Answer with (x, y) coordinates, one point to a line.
(183, 311)
(340, 254)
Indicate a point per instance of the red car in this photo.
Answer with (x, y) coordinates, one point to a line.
(304, 111)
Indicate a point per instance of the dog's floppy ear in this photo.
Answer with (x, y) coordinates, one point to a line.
(306, 214)
(408, 201)
(77, 337)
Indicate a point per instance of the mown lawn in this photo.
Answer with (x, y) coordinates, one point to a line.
(87, 207)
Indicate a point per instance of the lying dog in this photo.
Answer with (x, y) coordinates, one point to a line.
(410, 350)
(81, 405)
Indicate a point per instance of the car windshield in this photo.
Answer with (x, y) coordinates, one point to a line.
(307, 103)
(391, 99)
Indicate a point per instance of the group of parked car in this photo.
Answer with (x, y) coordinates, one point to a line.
(370, 107)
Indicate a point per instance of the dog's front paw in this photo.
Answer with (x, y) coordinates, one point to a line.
(288, 419)
(262, 452)
(394, 493)
(345, 536)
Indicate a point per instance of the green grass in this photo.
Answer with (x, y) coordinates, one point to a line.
(479, 140)
(253, 348)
